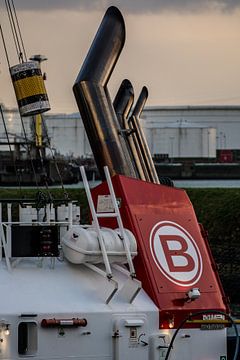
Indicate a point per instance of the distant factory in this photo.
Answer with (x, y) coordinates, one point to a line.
(192, 131)
(172, 132)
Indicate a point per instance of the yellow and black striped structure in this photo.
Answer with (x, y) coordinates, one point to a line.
(29, 88)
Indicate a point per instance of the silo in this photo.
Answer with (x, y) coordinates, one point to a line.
(181, 140)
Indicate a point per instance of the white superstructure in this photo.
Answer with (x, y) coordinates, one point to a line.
(32, 293)
(52, 308)
(110, 309)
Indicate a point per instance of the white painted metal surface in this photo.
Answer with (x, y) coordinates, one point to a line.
(115, 331)
(81, 245)
(67, 292)
(122, 321)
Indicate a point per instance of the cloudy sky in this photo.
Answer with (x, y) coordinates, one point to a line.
(187, 52)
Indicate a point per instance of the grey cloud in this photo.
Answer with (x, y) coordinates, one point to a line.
(131, 6)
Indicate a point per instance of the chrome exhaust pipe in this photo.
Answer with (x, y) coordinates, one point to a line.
(122, 104)
(140, 139)
(93, 99)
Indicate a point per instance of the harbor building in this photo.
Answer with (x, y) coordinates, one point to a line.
(172, 131)
(191, 131)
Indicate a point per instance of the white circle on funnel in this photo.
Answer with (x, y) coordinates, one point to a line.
(175, 253)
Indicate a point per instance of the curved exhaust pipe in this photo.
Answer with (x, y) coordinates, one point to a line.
(140, 139)
(94, 102)
(138, 108)
(122, 104)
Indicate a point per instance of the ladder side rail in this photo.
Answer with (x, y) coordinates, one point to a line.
(1, 246)
(96, 223)
(9, 212)
(70, 214)
(48, 214)
(9, 229)
(119, 220)
(4, 246)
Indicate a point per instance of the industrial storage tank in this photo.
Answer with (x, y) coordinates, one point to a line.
(181, 140)
(68, 135)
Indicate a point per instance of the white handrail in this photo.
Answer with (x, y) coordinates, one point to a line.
(119, 220)
(96, 223)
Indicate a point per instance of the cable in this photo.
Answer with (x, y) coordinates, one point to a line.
(22, 56)
(21, 52)
(19, 30)
(55, 161)
(29, 152)
(201, 313)
(40, 193)
(14, 30)
(10, 149)
(40, 156)
(4, 45)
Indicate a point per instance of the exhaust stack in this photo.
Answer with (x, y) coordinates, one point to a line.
(91, 93)
(140, 139)
(122, 104)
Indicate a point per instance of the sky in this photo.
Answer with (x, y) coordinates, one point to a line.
(187, 52)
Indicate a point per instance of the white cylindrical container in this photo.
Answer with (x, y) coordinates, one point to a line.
(62, 213)
(81, 245)
(76, 214)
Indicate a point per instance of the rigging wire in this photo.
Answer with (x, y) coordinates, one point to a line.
(14, 24)
(66, 195)
(22, 56)
(10, 149)
(14, 30)
(41, 199)
(13, 11)
(29, 152)
(4, 45)
(19, 30)
(41, 161)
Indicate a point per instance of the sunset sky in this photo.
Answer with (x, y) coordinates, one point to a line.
(187, 52)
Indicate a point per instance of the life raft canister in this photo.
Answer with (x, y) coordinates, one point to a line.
(29, 88)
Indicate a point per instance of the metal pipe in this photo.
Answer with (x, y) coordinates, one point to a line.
(134, 122)
(139, 148)
(138, 108)
(133, 125)
(95, 105)
(122, 104)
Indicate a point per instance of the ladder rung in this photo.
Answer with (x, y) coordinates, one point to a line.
(95, 219)
(106, 215)
(114, 214)
(119, 220)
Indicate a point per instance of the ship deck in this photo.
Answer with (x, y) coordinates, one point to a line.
(29, 288)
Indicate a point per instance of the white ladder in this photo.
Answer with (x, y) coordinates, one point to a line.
(114, 214)
(132, 286)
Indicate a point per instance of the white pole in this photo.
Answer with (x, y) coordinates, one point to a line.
(95, 222)
(119, 220)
